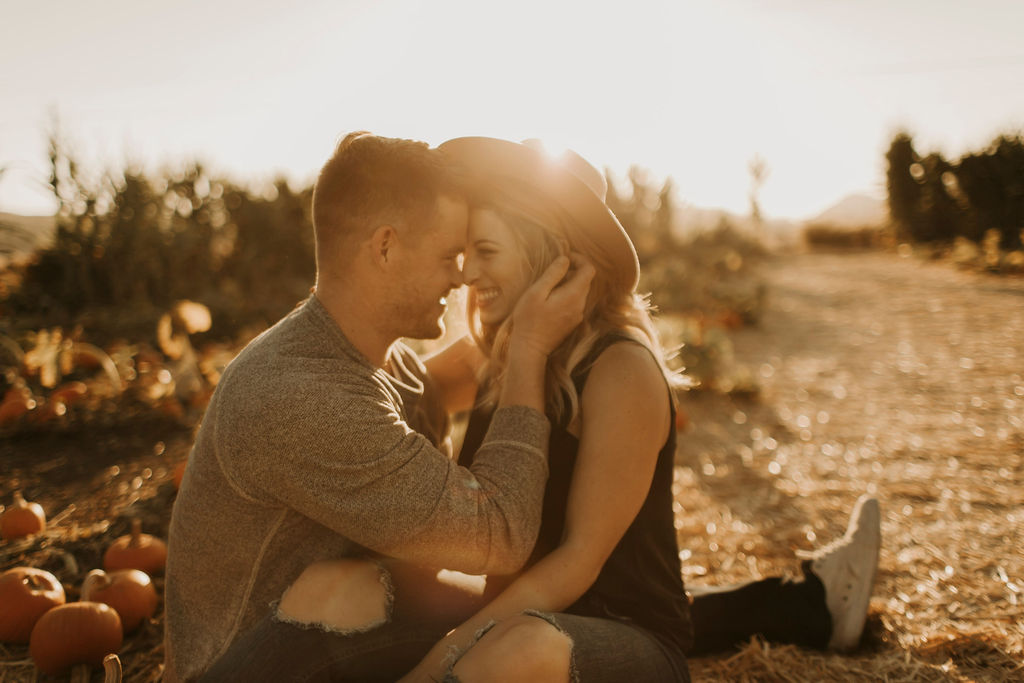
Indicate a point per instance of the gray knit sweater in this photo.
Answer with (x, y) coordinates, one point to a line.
(308, 452)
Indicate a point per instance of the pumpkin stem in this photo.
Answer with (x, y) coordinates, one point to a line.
(36, 582)
(80, 673)
(111, 669)
(136, 533)
(19, 500)
(95, 580)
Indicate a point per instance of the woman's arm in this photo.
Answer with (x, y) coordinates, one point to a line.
(625, 411)
(455, 370)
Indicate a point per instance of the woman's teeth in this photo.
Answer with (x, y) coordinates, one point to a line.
(487, 295)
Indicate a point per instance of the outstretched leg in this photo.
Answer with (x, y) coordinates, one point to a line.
(826, 609)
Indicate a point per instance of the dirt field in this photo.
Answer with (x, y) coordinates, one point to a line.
(895, 377)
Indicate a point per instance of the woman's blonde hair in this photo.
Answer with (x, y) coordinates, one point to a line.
(542, 230)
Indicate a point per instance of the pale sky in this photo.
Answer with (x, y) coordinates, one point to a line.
(687, 88)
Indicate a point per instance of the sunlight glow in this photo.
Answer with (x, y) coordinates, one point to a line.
(691, 90)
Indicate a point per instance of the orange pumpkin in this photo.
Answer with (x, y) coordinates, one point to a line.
(136, 551)
(75, 633)
(22, 518)
(129, 591)
(26, 594)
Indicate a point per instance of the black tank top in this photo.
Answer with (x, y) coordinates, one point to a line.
(641, 581)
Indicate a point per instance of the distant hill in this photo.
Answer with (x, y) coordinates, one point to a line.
(854, 211)
(20, 235)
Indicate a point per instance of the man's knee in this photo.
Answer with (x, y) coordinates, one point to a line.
(344, 596)
(521, 648)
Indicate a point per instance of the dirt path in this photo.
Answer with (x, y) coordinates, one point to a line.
(889, 376)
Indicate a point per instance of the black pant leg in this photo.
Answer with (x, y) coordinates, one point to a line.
(779, 610)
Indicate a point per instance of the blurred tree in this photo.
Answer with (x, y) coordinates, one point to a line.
(272, 261)
(939, 216)
(933, 199)
(993, 183)
(904, 189)
(664, 216)
(134, 244)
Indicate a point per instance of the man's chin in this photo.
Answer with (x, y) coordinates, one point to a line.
(435, 330)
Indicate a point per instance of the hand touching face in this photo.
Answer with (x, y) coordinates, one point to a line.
(546, 307)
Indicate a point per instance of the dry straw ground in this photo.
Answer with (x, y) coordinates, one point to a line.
(896, 377)
(889, 376)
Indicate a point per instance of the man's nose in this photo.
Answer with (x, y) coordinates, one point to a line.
(457, 277)
(469, 269)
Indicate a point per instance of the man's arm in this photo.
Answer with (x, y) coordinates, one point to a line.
(340, 453)
(364, 473)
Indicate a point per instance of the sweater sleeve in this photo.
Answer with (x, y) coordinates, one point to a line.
(360, 470)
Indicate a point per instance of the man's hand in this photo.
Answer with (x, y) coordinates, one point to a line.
(553, 306)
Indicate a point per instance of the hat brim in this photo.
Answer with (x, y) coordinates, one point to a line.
(493, 159)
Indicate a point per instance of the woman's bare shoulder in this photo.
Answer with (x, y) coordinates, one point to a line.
(626, 371)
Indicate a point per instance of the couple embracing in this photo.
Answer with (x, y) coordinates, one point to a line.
(324, 529)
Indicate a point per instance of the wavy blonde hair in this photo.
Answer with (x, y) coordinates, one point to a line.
(540, 230)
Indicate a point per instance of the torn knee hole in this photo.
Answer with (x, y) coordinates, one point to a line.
(340, 596)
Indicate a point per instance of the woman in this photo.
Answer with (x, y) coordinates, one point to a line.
(601, 597)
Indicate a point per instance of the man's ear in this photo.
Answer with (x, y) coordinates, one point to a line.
(382, 244)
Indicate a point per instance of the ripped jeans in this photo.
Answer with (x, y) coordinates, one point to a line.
(422, 610)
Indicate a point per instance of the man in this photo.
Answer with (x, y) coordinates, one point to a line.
(313, 447)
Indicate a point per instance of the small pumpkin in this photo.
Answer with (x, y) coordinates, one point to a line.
(26, 594)
(136, 551)
(129, 591)
(75, 633)
(21, 519)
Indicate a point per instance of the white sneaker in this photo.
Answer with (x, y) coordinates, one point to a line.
(847, 569)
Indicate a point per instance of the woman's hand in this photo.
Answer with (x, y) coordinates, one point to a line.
(455, 371)
(553, 306)
(434, 665)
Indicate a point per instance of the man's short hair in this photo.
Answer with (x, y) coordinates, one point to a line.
(371, 181)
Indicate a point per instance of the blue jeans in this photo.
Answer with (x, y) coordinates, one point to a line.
(423, 610)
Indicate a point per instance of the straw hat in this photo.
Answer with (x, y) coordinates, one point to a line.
(568, 180)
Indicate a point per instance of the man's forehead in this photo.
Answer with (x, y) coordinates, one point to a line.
(452, 220)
